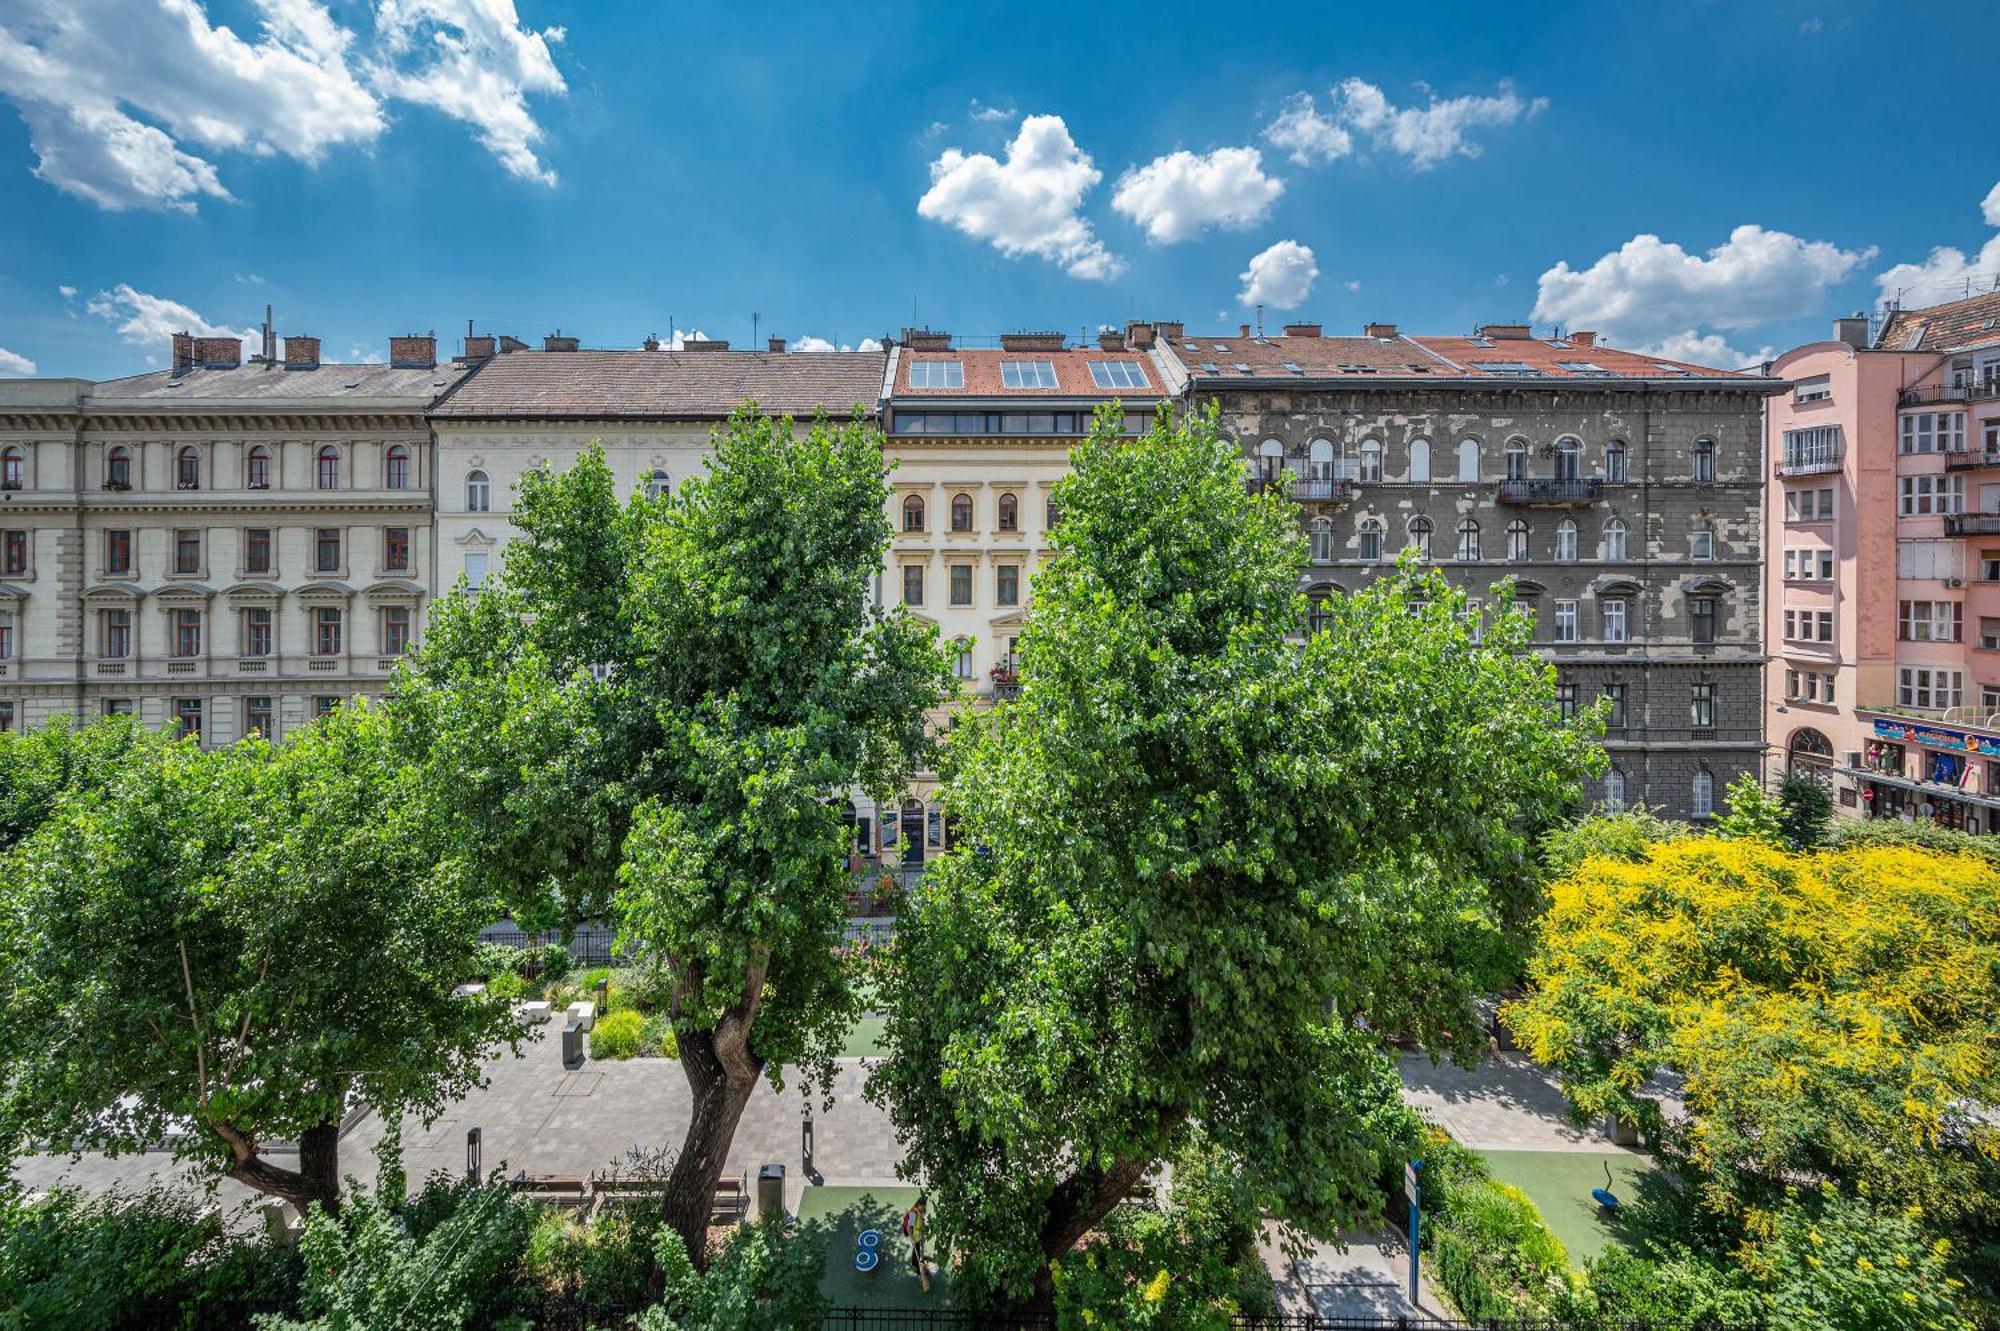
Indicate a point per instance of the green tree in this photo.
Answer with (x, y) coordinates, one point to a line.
(1754, 814)
(1195, 854)
(660, 710)
(1807, 817)
(221, 950)
(39, 767)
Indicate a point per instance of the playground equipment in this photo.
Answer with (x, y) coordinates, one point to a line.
(1603, 1196)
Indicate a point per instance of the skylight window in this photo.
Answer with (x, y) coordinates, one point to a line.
(1357, 369)
(1027, 374)
(1486, 342)
(1507, 367)
(1218, 346)
(1294, 368)
(1210, 367)
(937, 374)
(1241, 367)
(1585, 368)
(1117, 374)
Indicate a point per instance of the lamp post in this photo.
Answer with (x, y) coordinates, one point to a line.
(472, 1156)
(806, 1138)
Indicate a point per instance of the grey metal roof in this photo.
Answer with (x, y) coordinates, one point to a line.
(674, 384)
(274, 387)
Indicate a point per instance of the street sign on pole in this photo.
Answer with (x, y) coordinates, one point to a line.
(1415, 1194)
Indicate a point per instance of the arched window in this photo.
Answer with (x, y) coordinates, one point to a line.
(329, 468)
(1701, 539)
(1614, 791)
(1566, 541)
(1318, 599)
(1321, 459)
(1420, 460)
(1420, 537)
(1010, 512)
(1569, 458)
(1468, 541)
(478, 492)
(1371, 459)
(1270, 460)
(257, 469)
(913, 513)
(1701, 461)
(656, 484)
(1614, 460)
(1614, 539)
(1319, 535)
(396, 468)
(187, 469)
(1517, 459)
(13, 469)
(1517, 540)
(1810, 754)
(118, 469)
(1370, 545)
(961, 512)
(1468, 459)
(1701, 800)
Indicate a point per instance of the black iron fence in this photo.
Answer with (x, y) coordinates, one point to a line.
(590, 945)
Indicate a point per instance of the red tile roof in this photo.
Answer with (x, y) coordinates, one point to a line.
(667, 383)
(1955, 326)
(1407, 357)
(1072, 368)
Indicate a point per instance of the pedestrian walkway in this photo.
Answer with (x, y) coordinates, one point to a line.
(1366, 1275)
(1507, 1103)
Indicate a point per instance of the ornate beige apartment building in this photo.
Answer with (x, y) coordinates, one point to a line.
(229, 546)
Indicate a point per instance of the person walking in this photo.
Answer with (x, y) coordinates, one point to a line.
(913, 1230)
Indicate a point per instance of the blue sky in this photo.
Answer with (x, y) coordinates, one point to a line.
(1710, 180)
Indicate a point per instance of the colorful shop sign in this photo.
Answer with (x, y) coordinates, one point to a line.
(1936, 737)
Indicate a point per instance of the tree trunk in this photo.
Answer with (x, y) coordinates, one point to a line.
(1078, 1203)
(317, 1179)
(722, 1074)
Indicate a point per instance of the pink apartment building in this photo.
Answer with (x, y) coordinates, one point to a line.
(1883, 565)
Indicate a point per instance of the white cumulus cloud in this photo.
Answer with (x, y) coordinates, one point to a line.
(14, 363)
(1436, 131)
(1180, 195)
(1707, 349)
(988, 114)
(1310, 138)
(1946, 273)
(1989, 208)
(128, 102)
(809, 343)
(1281, 277)
(1027, 204)
(144, 319)
(1651, 292)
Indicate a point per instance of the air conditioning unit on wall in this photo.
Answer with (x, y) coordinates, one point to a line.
(1954, 582)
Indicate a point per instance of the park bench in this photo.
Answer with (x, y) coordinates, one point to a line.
(732, 1195)
(560, 1189)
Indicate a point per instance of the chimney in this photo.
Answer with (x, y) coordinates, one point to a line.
(414, 351)
(301, 352)
(1583, 339)
(1378, 330)
(1511, 332)
(478, 346)
(1139, 334)
(270, 352)
(926, 339)
(777, 345)
(1242, 330)
(557, 342)
(1853, 330)
(218, 353)
(183, 352)
(1111, 340)
(704, 344)
(1304, 330)
(651, 343)
(1032, 342)
(1171, 329)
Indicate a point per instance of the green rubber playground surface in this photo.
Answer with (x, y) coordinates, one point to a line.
(1559, 1184)
(836, 1216)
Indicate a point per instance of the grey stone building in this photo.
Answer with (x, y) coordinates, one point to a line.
(1621, 493)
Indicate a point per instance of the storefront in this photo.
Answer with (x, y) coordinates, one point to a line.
(1916, 770)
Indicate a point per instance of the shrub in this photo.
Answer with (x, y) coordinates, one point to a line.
(497, 959)
(1492, 1255)
(1681, 1287)
(507, 985)
(658, 1036)
(551, 961)
(767, 1279)
(646, 986)
(599, 1267)
(1840, 1262)
(617, 1035)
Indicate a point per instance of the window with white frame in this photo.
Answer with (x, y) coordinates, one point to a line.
(1420, 460)
(1468, 541)
(1614, 460)
(478, 492)
(1517, 459)
(1929, 558)
(1566, 615)
(1517, 541)
(1319, 537)
(1613, 611)
(1369, 544)
(1027, 374)
(1117, 374)
(1468, 459)
(1928, 689)
(1566, 542)
(937, 374)
(1809, 505)
(1701, 799)
(1989, 633)
(1420, 537)
(1806, 563)
(1932, 432)
(1701, 706)
(1930, 621)
(1818, 388)
(1371, 460)
(1924, 496)
(1614, 540)
(1701, 541)
(1614, 791)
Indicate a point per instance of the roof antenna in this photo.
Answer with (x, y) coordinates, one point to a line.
(270, 339)
(755, 319)
(1260, 320)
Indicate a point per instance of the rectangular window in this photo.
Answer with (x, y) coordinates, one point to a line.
(1816, 389)
(1615, 695)
(1932, 432)
(1928, 689)
(257, 717)
(187, 550)
(1007, 584)
(1930, 621)
(1926, 496)
(1614, 621)
(475, 569)
(326, 631)
(6, 716)
(1989, 565)
(14, 553)
(1929, 559)
(187, 633)
(1566, 701)
(326, 550)
(187, 717)
(1117, 374)
(1701, 618)
(913, 584)
(324, 704)
(118, 552)
(6, 635)
(257, 550)
(937, 374)
(1989, 633)
(115, 635)
(395, 630)
(1027, 374)
(1701, 707)
(1566, 621)
(396, 549)
(961, 584)
(257, 632)
(117, 707)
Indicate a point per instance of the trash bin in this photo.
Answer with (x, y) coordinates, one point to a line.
(771, 1192)
(572, 1045)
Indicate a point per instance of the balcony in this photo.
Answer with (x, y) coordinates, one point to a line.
(1308, 489)
(1972, 461)
(1972, 524)
(1810, 462)
(1552, 492)
(1925, 395)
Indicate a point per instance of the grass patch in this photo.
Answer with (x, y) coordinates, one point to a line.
(1559, 1184)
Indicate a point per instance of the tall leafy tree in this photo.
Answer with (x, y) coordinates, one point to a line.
(1203, 863)
(221, 950)
(660, 711)
(39, 767)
